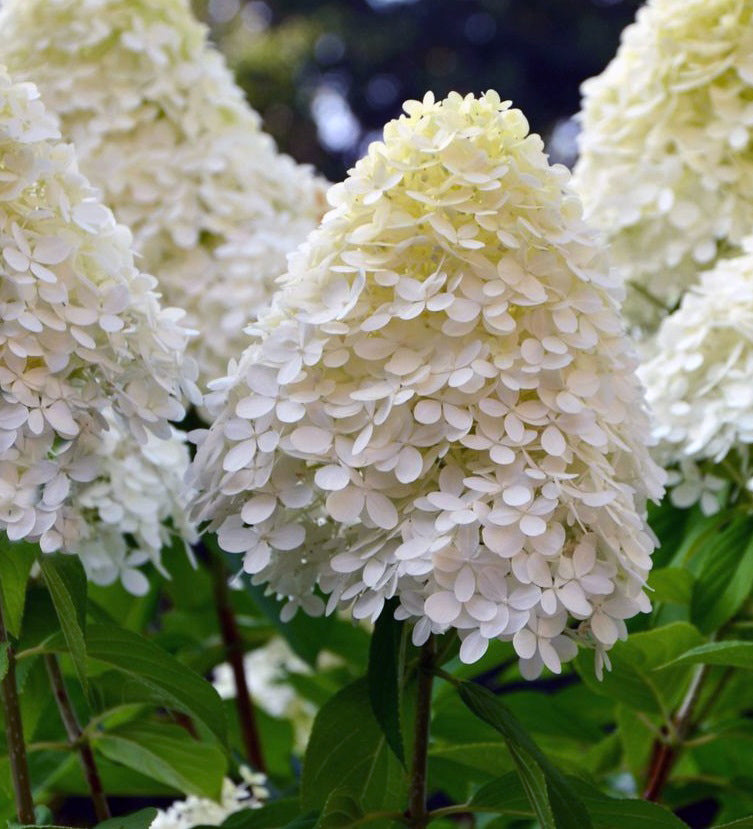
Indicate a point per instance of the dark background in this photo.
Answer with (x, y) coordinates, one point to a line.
(327, 75)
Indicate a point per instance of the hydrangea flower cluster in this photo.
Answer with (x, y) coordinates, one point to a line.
(440, 405)
(201, 811)
(84, 345)
(139, 493)
(672, 115)
(698, 381)
(178, 153)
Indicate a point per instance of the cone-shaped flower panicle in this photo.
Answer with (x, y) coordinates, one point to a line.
(161, 127)
(441, 405)
(83, 339)
(666, 166)
(699, 381)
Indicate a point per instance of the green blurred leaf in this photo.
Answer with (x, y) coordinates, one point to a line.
(726, 578)
(167, 754)
(175, 685)
(554, 801)
(743, 823)
(270, 816)
(339, 812)
(138, 820)
(16, 559)
(347, 751)
(66, 580)
(730, 653)
(633, 679)
(384, 678)
(671, 584)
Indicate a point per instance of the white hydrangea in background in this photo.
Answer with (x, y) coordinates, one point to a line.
(267, 671)
(84, 346)
(666, 165)
(160, 125)
(201, 811)
(139, 491)
(441, 405)
(698, 383)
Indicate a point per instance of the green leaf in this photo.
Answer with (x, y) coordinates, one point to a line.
(506, 796)
(271, 816)
(554, 801)
(16, 559)
(743, 823)
(305, 821)
(175, 685)
(671, 584)
(384, 677)
(138, 820)
(726, 579)
(728, 652)
(340, 811)
(3, 660)
(167, 754)
(66, 580)
(633, 679)
(348, 751)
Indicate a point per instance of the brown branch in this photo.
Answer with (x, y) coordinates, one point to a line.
(235, 652)
(417, 812)
(76, 738)
(665, 752)
(14, 733)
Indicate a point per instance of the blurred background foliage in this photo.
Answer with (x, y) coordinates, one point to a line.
(327, 75)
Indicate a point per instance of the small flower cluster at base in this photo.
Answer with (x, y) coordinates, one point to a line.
(699, 381)
(179, 154)
(666, 165)
(441, 405)
(84, 344)
(202, 811)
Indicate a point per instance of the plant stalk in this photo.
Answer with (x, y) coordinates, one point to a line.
(417, 811)
(665, 752)
(14, 733)
(234, 652)
(76, 738)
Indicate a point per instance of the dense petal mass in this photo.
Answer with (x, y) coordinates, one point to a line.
(178, 153)
(699, 381)
(84, 343)
(441, 405)
(666, 166)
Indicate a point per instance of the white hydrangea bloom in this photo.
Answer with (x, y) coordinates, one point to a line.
(139, 488)
(441, 403)
(666, 165)
(84, 343)
(699, 380)
(267, 672)
(160, 125)
(201, 811)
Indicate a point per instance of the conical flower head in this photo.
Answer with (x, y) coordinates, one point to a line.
(700, 382)
(441, 405)
(160, 125)
(82, 335)
(666, 166)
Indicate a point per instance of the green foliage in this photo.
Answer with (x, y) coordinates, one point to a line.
(16, 559)
(384, 678)
(348, 752)
(554, 802)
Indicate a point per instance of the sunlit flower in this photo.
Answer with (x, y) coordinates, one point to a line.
(442, 401)
(84, 346)
(160, 125)
(201, 811)
(699, 381)
(666, 166)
